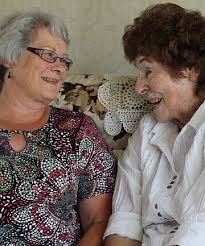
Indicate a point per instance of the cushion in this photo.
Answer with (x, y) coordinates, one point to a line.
(110, 101)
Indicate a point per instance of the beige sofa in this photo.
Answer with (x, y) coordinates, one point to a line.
(110, 100)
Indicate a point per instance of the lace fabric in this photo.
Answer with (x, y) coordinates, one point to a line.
(125, 107)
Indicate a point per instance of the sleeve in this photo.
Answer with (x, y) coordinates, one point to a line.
(126, 216)
(192, 223)
(96, 162)
(192, 197)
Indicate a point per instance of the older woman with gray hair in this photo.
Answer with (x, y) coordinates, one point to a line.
(56, 179)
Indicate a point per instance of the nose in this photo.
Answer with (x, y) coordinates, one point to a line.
(141, 86)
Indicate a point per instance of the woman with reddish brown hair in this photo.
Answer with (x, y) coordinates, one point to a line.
(159, 197)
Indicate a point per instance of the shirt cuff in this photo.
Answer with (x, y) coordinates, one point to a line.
(191, 233)
(125, 225)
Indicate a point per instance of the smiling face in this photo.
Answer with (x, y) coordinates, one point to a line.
(173, 99)
(34, 78)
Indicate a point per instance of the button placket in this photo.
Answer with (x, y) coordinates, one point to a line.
(157, 210)
(173, 230)
(172, 182)
(169, 189)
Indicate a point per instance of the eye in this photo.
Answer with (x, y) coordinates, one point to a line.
(64, 59)
(48, 54)
(147, 72)
(67, 62)
(51, 54)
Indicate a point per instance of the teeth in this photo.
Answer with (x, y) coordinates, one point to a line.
(52, 80)
(158, 101)
(155, 102)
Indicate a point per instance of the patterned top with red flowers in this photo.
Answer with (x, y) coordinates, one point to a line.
(64, 162)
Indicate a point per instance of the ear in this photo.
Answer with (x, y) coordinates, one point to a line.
(191, 74)
(6, 65)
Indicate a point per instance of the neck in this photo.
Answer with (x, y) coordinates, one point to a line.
(187, 117)
(20, 109)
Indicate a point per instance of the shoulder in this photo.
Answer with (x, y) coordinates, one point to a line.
(68, 120)
(75, 122)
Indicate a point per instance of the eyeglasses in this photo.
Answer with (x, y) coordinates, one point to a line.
(50, 56)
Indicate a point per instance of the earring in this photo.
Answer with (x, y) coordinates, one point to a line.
(9, 75)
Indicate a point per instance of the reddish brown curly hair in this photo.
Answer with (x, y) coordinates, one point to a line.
(171, 35)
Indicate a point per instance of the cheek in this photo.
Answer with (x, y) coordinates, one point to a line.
(65, 74)
(167, 108)
(176, 106)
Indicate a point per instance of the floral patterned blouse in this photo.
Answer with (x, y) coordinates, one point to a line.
(64, 162)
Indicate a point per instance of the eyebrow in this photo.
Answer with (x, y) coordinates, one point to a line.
(53, 49)
(144, 59)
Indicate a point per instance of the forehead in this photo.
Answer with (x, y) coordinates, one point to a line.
(42, 37)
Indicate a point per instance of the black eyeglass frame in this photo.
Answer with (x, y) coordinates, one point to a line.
(39, 52)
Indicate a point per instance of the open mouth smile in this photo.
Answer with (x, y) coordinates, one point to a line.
(50, 80)
(155, 102)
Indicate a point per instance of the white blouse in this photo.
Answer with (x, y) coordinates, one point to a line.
(159, 196)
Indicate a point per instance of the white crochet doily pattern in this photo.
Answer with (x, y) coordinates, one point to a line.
(125, 107)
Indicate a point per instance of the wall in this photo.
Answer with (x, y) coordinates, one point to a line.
(95, 27)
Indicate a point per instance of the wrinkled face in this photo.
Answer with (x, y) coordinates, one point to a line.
(173, 99)
(38, 79)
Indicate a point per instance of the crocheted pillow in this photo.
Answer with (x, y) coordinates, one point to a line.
(125, 107)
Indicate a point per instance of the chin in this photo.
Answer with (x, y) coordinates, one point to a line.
(51, 94)
(48, 99)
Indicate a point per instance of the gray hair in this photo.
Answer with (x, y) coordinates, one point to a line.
(16, 30)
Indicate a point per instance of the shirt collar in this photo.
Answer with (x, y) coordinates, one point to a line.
(198, 118)
(163, 135)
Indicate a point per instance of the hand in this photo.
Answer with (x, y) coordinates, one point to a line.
(114, 240)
